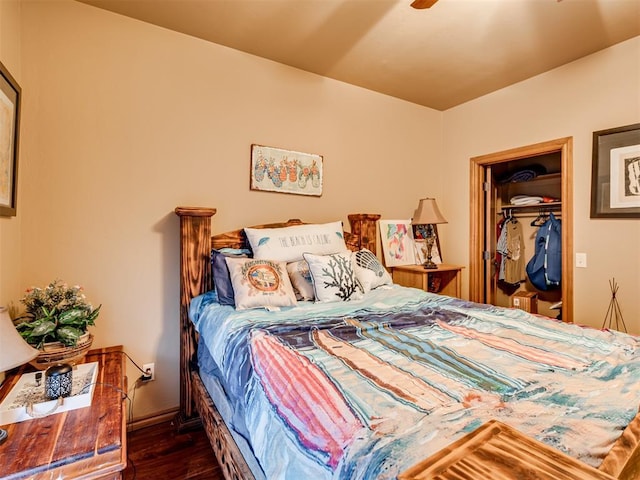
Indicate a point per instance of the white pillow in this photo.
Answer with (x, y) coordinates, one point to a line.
(260, 283)
(333, 277)
(287, 244)
(369, 271)
(300, 277)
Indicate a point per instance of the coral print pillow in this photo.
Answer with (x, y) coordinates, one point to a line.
(260, 283)
(287, 244)
(369, 271)
(334, 279)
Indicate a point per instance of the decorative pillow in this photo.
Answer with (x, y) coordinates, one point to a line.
(369, 271)
(300, 277)
(220, 272)
(260, 283)
(287, 244)
(333, 277)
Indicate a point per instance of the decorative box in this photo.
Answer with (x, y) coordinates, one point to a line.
(527, 301)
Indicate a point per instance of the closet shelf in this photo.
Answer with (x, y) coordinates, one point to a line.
(550, 206)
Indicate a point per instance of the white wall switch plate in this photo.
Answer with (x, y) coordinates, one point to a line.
(581, 260)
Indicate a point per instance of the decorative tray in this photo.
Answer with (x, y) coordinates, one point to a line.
(27, 400)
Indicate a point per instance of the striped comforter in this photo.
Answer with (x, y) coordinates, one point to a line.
(366, 389)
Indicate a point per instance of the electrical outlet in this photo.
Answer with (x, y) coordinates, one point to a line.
(149, 369)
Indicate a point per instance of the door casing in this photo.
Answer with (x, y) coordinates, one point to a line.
(479, 223)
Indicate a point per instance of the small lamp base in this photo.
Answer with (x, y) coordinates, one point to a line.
(428, 246)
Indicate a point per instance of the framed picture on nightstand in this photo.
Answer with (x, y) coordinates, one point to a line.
(398, 247)
(419, 235)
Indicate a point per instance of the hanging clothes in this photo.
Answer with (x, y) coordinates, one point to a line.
(501, 249)
(545, 267)
(514, 268)
(509, 259)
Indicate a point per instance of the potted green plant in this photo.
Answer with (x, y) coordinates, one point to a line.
(56, 321)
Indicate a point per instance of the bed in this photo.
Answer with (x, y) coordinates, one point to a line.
(392, 377)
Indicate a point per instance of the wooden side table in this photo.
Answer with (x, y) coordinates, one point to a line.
(86, 443)
(446, 279)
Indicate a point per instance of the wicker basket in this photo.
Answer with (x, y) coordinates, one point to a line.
(56, 352)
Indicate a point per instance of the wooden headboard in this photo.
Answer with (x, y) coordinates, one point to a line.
(196, 243)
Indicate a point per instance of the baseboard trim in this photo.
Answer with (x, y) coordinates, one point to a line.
(153, 419)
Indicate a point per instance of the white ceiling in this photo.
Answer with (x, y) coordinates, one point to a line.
(440, 57)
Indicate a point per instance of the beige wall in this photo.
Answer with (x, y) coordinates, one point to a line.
(10, 226)
(124, 121)
(597, 92)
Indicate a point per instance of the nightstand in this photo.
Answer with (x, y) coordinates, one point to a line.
(87, 443)
(446, 279)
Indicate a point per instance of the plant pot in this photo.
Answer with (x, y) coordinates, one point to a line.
(55, 352)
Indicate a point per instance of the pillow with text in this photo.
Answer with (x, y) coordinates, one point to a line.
(287, 244)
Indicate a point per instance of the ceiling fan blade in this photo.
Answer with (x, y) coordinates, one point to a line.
(420, 4)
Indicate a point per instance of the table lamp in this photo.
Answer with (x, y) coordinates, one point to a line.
(14, 350)
(428, 214)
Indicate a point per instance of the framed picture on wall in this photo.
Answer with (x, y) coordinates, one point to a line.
(285, 171)
(396, 238)
(9, 134)
(615, 176)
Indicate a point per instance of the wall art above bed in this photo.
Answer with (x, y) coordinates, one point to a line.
(285, 171)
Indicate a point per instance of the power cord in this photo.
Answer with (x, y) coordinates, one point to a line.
(146, 375)
(129, 422)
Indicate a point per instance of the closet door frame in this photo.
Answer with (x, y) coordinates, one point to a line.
(478, 264)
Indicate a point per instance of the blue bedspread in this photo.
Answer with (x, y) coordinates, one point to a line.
(364, 390)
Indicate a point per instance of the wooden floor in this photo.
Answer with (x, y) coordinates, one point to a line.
(159, 453)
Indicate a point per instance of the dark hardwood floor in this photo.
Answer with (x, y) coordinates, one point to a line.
(159, 453)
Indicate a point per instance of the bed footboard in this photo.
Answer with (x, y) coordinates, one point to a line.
(623, 460)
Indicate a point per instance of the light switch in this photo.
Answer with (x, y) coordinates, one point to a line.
(581, 260)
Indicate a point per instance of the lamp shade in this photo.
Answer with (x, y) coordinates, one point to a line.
(14, 350)
(427, 213)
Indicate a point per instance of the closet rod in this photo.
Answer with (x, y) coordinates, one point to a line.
(532, 214)
(536, 210)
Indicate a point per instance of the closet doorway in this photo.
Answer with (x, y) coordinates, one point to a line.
(490, 193)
